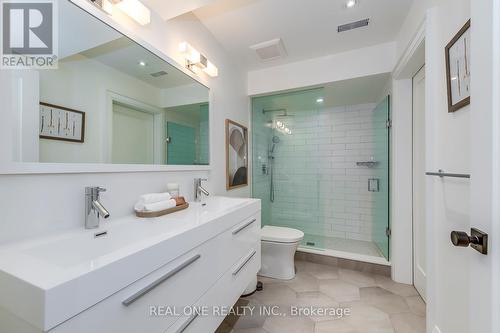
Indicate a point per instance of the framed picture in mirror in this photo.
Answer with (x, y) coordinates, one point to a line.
(61, 123)
(236, 155)
(458, 69)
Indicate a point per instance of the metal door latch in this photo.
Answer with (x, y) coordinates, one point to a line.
(478, 240)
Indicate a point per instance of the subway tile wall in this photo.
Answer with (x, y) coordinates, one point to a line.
(319, 189)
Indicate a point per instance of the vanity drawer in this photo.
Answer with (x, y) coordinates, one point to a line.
(244, 235)
(224, 293)
(177, 284)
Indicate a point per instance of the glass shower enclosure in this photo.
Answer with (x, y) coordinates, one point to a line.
(323, 168)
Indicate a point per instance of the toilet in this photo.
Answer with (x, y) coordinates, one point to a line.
(278, 251)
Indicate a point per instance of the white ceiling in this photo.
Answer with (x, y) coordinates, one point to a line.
(308, 28)
(172, 8)
(124, 55)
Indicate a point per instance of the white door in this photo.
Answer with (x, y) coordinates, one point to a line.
(133, 136)
(419, 256)
(463, 289)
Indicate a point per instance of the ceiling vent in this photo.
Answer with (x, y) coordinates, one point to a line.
(270, 50)
(353, 25)
(158, 74)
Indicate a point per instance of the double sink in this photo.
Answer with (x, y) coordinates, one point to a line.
(49, 280)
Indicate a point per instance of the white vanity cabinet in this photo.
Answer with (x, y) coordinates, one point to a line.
(210, 275)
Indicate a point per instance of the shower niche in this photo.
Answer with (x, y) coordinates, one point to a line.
(307, 149)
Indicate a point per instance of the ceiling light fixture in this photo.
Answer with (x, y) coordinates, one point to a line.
(350, 3)
(320, 100)
(135, 10)
(195, 61)
(142, 64)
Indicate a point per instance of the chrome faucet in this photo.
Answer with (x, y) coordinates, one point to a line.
(199, 190)
(93, 207)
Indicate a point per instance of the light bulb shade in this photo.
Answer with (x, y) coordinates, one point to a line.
(136, 10)
(107, 6)
(190, 53)
(350, 3)
(211, 70)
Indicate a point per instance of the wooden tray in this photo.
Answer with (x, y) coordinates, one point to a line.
(162, 212)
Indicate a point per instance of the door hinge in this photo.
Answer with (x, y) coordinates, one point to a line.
(388, 232)
(388, 123)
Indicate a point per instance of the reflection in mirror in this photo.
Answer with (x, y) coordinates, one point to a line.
(113, 101)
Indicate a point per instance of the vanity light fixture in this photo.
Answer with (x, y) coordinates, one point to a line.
(134, 9)
(195, 61)
(350, 3)
(107, 6)
(211, 70)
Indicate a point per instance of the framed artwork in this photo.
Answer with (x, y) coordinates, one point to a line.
(236, 155)
(458, 69)
(60, 123)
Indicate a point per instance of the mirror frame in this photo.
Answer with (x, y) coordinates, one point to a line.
(13, 168)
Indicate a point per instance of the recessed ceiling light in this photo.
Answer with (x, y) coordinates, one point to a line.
(142, 63)
(320, 100)
(350, 3)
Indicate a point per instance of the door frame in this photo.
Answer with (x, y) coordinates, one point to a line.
(107, 135)
(423, 293)
(401, 158)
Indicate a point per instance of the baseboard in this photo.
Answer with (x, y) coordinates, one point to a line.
(344, 263)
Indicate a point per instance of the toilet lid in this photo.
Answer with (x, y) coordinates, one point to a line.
(280, 234)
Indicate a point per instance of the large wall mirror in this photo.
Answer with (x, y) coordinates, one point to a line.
(113, 101)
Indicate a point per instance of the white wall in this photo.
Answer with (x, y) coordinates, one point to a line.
(414, 19)
(336, 67)
(83, 84)
(36, 204)
(183, 95)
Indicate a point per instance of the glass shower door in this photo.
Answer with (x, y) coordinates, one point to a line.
(379, 184)
(289, 170)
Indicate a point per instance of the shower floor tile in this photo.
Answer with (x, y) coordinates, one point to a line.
(341, 244)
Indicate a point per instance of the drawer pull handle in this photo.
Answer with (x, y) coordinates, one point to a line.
(243, 264)
(160, 280)
(237, 230)
(187, 323)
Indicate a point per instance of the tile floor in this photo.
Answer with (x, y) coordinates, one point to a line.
(376, 304)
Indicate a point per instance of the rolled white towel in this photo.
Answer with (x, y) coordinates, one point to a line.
(155, 197)
(155, 206)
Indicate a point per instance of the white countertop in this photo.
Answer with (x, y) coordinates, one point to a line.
(42, 270)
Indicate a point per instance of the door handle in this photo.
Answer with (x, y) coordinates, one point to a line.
(478, 240)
